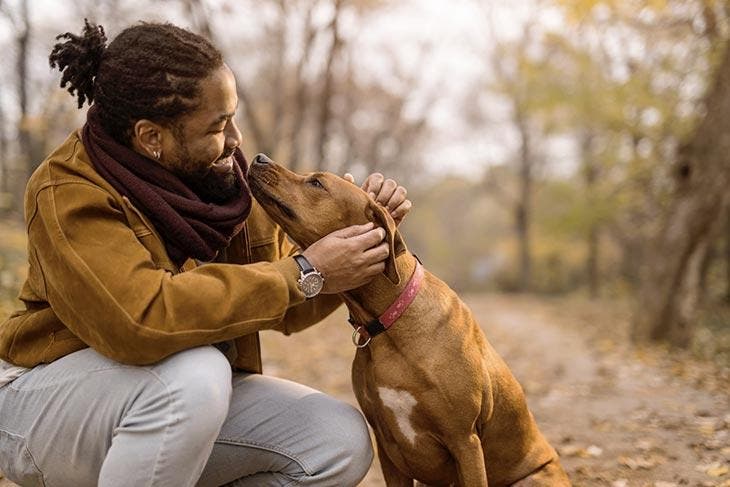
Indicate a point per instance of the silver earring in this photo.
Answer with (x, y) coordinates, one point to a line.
(157, 154)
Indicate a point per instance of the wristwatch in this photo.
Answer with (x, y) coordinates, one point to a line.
(310, 279)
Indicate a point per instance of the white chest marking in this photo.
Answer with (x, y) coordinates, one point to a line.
(401, 403)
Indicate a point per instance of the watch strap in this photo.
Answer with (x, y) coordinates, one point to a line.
(303, 264)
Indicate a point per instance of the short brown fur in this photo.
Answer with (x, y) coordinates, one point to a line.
(470, 417)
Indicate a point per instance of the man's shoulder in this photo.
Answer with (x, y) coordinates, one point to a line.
(65, 172)
(68, 163)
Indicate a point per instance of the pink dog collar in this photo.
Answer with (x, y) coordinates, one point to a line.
(394, 311)
(405, 299)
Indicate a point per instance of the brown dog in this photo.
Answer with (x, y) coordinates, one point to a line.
(444, 407)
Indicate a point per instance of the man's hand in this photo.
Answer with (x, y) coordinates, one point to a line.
(388, 193)
(349, 258)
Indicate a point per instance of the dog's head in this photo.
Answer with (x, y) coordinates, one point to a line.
(310, 206)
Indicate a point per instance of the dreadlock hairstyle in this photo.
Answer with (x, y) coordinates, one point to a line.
(149, 70)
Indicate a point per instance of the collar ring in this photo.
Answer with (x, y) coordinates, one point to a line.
(356, 335)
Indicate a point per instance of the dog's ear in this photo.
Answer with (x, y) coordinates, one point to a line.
(378, 214)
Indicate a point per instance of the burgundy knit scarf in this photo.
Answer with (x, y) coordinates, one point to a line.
(189, 226)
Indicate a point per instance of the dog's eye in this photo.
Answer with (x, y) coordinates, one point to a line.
(315, 182)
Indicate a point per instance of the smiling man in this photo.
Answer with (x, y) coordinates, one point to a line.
(136, 360)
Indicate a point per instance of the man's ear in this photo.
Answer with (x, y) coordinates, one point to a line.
(379, 215)
(147, 138)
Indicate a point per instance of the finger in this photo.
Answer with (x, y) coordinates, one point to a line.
(377, 254)
(349, 178)
(386, 191)
(374, 270)
(398, 197)
(354, 230)
(370, 239)
(373, 183)
(400, 213)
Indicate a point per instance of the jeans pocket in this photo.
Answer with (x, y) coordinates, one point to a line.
(16, 461)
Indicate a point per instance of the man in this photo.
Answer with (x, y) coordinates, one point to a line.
(151, 270)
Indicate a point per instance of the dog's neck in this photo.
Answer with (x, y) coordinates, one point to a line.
(371, 300)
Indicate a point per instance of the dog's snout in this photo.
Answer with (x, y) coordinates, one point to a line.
(261, 159)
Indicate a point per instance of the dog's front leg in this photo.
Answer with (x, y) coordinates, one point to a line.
(393, 477)
(469, 458)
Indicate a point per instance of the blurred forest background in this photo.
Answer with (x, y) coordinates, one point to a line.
(569, 164)
(550, 146)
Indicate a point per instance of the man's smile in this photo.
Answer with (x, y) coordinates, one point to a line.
(223, 166)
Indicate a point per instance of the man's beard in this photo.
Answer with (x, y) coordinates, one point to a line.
(209, 185)
(212, 187)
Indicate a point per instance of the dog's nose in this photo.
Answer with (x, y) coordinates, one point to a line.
(261, 159)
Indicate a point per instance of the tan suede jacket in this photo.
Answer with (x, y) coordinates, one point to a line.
(99, 276)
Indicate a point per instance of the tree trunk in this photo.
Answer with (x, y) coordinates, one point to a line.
(590, 173)
(727, 257)
(296, 131)
(25, 135)
(670, 288)
(327, 88)
(6, 202)
(523, 205)
(273, 141)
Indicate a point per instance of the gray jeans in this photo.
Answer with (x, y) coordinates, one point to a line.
(87, 420)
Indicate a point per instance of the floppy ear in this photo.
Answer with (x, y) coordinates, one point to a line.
(379, 215)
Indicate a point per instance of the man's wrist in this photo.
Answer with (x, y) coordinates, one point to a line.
(310, 279)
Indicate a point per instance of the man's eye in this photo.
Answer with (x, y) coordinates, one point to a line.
(315, 182)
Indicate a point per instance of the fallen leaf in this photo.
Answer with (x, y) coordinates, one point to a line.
(570, 450)
(707, 426)
(644, 445)
(718, 471)
(711, 444)
(641, 462)
(594, 451)
(714, 469)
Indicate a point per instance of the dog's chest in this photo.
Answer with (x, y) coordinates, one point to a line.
(385, 399)
(400, 405)
(399, 417)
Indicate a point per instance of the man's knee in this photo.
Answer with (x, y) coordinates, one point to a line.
(198, 385)
(350, 446)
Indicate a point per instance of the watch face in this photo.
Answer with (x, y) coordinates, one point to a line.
(311, 284)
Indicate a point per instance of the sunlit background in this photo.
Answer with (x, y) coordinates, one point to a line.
(555, 151)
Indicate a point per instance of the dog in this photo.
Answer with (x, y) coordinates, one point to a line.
(444, 407)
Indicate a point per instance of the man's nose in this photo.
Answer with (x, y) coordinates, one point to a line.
(261, 159)
(233, 135)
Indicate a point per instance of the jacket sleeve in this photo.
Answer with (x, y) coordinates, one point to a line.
(312, 311)
(104, 286)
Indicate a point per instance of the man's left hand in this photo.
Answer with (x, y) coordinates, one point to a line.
(388, 193)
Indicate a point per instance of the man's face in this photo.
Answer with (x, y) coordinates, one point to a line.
(199, 149)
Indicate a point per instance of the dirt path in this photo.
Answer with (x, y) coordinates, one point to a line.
(620, 417)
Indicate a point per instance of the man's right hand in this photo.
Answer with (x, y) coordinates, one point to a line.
(350, 257)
